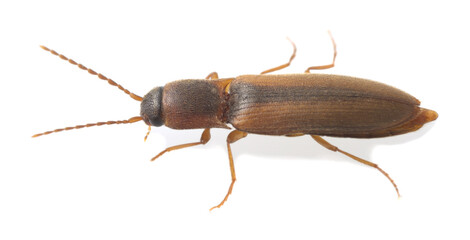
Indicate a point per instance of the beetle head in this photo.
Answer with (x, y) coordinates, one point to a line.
(151, 107)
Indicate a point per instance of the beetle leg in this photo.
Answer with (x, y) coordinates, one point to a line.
(212, 75)
(234, 136)
(285, 64)
(332, 64)
(205, 137)
(327, 145)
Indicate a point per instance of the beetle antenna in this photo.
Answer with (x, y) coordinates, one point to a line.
(130, 120)
(147, 135)
(90, 71)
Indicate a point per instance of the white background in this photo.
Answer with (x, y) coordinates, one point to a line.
(98, 183)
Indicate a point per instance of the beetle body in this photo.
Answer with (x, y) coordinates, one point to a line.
(289, 104)
(277, 105)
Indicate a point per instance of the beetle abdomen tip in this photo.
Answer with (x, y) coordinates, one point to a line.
(428, 115)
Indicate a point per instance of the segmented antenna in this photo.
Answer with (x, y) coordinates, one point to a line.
(100, 76)
(147, 135)
(130, 120)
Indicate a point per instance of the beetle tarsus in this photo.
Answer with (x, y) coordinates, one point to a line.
(285, 64)
(234, 136)
(205, 137)
(332, 64)
(333, 148)
(226, 196)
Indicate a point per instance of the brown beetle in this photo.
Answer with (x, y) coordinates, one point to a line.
(279, 105)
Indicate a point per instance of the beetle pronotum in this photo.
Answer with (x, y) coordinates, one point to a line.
(279, 105)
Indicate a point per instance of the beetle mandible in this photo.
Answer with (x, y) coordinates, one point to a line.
(278, 105)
